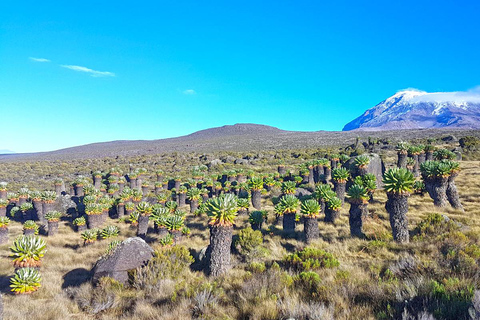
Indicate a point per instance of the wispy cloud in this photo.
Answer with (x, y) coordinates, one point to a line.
(93, 73)
(189, 92)
(39, 59)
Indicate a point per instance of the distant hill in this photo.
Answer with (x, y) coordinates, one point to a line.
(238, 137)
(235, 130)
(413, 109)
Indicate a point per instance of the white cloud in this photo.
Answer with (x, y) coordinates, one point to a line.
(39, 59)
(93, 73)
(189, 92)
(472, 95)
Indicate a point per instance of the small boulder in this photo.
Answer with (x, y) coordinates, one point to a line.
(450, 138)
(128, 255)
(1, 307)
(214, 163)
(65, 203)
(241, 161)
(228, 159)
(300, 192)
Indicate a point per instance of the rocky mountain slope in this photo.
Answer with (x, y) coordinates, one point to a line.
(413, 109)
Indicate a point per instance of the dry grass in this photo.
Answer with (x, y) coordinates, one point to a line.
(354, 290)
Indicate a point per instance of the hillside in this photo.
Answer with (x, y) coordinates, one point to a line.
(238, 137)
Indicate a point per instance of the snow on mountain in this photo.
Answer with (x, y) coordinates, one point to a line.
(415, 109)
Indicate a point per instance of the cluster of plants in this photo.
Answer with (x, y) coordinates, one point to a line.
(309, 277)
(27, 253)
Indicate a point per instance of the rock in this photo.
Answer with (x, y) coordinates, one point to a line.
(129, 255)
(202, 254)
(458, 153)
(300, 192)
(241, 161)
(214, 162)
(228, 159)
(65, 204)
(205, 157)
(201, 259)
(376, 166)
(449, 138)
(458, 224)
(1, 307)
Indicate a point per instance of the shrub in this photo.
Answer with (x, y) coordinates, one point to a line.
(434, 225)
(452, 298)
(310, 259)
(256, 267)
(257, 217)
(168, 263)
(248, 240)
(309, 281)
(469, 143)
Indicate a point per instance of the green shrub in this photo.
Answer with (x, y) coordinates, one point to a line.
(452, 298)
(469, 143)
(310, 259)
(248, 240)
(167, 240)
(434, 225)
(168, 263)
(249, 244)
(256, 267)
(309, 281)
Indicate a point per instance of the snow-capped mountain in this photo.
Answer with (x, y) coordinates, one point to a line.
(414, 109)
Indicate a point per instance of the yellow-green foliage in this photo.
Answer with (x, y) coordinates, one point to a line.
(434, 225)
(248, 240)
(310, 259)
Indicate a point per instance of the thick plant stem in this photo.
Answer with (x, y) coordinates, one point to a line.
(256, 199)
(142, 226)
(340, 190)
(289, 223)
(218, 251)
(402, 160)
(311, 229)
(440, 192)
(397, 207)
(358, 212)
(452, 193)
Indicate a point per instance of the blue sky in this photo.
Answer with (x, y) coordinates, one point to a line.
(148, 70)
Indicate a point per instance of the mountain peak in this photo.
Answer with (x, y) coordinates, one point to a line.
(415, 109)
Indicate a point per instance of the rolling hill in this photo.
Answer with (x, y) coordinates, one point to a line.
(238, 137)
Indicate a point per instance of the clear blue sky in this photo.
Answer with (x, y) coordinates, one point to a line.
(149, 70)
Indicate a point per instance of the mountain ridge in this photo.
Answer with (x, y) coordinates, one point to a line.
(236, 138)
(415, 109)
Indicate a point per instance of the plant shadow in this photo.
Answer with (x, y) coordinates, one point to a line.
(75, 278)
(5, 284)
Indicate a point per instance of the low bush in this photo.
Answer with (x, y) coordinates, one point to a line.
(310, 259)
